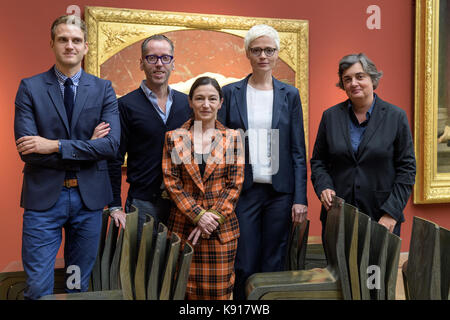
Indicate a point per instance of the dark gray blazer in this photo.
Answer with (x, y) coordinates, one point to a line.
(378, 179)
(40, 111)
(287, 117)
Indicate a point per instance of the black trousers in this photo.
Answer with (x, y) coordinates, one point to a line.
(265, 222)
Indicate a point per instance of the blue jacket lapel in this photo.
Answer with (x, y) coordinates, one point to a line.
(81, 97)
(278, 99)
(54, 92)
(240, 97)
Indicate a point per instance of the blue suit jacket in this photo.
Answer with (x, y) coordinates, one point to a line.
(287, 117)
(40, 111)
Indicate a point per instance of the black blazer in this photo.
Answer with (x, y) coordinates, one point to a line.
(378, 179)
(287, 117)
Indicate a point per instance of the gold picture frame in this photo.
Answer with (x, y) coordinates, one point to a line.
(110, 30)
(433, 173)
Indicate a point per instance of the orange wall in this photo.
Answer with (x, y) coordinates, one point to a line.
(336, 28)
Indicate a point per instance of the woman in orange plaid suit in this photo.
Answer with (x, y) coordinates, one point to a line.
(203, 169)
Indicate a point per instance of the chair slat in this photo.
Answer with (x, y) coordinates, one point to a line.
(145, 248)
(183, 272)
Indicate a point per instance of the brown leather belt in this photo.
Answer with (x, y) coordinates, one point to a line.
(70, 183)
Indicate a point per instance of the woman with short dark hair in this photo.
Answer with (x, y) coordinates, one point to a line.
(364, 151)
(203, 170)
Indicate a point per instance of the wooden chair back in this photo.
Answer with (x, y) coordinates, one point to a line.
(170, 267)
(335, 246)
(351, 248)
(145, 251)
(392, 260)
(157, 263)
(363, 253)
(183, 272)
(95, 282)
(114, 271)
(296, 256)
(423, 267)
(108, 253)
(129, 254)
(377, 260)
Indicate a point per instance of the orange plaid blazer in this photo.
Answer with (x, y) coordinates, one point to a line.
(218, 189)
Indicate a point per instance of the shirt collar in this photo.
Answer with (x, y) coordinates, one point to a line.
(62, 77)
(149, 93)
(369, 112)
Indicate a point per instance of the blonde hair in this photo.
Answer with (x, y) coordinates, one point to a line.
(69, 19)
(260, 30)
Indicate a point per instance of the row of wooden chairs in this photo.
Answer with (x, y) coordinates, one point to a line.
(153, 271)
(426, 273)
(352, 243)
(362, 263)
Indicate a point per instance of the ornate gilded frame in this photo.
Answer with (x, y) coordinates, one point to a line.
(111, 30)
(431, 186)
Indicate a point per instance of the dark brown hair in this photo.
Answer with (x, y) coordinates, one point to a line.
(367, 65)
(202, 81)
(156, 37)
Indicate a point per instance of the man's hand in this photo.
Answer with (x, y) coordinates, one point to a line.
(119, 217)
(36, 144)
(299, 212)
(101, 130)
(388, 222)
(326, 197)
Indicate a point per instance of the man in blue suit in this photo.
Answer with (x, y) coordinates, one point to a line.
(66, 126)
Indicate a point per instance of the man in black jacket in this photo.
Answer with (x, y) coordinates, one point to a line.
(146, 114)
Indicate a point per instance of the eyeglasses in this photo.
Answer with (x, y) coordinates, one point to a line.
(267, 51)
(153, 59)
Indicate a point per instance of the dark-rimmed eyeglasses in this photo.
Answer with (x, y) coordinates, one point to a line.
(153, 59)
(267, 51)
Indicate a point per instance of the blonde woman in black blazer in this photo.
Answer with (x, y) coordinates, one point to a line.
(272, 200)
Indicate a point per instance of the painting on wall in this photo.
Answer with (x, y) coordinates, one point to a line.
(197, 52)
(210, 45)
(432, 101)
